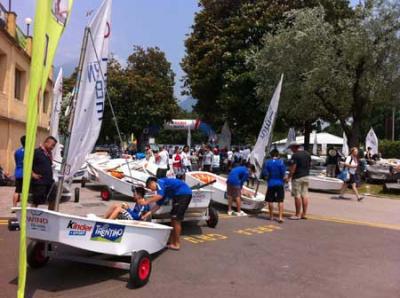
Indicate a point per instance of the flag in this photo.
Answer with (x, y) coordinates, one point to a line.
(345, 147)
(50, 19)
(55, 114)
(372, 141)
(91, 90)
(265, 135)
(291, 137)
(224, 139)
(315, 144)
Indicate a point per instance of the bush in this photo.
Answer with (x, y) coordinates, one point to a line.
(389, 149)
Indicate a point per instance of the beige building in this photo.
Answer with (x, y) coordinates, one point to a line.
(15, 61)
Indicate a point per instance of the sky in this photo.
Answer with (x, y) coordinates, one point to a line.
(148, 23)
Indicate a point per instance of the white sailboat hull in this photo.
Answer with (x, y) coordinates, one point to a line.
(325, 184)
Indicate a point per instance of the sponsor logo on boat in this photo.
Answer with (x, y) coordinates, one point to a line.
(78, 229)
(107, 232)
(198, 197)
(37, 220)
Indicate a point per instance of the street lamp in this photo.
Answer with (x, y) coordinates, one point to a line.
(28, 22)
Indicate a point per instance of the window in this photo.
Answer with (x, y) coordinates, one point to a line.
(46, 101)
(3, 70)
(19, 84)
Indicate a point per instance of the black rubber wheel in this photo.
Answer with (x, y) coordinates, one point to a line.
(213, 217)
(35, 254)
(13, 224)
(140, 269)
(77, 194)
(83, 182)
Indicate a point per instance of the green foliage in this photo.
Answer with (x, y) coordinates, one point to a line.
(389, 149)
(218, 74)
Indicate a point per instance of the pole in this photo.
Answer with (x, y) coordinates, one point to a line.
(71, 120)
(393, 123)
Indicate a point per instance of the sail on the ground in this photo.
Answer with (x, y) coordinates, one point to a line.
(372, 141)
(91, 92)
(55, 114)
(50, 19)
(264, 138)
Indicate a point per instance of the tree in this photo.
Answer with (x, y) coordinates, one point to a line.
(342, 72)
(218, 74)
(141, 93)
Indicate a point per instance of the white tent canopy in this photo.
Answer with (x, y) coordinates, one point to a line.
(322, 138)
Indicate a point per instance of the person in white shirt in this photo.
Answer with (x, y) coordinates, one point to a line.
(207, 159)
(216, 162)
(163, 161)
(186, 160)
(351, 164)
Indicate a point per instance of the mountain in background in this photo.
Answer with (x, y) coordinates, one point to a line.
(187, 103)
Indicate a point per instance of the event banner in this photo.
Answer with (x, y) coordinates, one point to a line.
(50, 19)
(258, 154)
(89, 107)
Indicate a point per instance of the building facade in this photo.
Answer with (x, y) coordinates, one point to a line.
(15, 51)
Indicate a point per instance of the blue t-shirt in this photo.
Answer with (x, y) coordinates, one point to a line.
(137, 211)
(19, 162)
(238, 176)
(170, 187)
(274, 170)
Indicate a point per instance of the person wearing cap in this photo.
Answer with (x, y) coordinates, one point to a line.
(298, 175)
(169, 189)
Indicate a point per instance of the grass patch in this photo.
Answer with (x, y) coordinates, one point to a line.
(377, 190)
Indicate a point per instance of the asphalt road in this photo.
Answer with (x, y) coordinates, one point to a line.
(242, 257)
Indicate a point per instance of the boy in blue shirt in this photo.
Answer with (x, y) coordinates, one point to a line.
(275, 171)
(170, 189)
(122, 211)
(237, 177)
(19, 165)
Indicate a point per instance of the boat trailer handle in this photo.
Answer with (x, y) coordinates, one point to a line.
(198, 186)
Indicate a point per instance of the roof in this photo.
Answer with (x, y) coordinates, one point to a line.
(322, 138)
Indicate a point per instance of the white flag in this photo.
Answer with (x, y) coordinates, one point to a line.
(55, 114)
(345, 147)
(315, 144)
(372, 141)
(224, 139)
(92, 90)
(265, 135)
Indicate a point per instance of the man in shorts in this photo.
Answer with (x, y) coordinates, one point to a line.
(169, 189)
(298, 175)
(42, 185)
(122, 211)
(19, 165)
(275, 171)
(234, 184)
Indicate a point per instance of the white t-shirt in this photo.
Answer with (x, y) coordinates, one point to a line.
(352, 161)
(230, 155)
(216, 161)
(207, 158)
(186, 159)
(164, 157)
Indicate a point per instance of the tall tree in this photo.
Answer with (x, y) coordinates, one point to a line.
(218, 74)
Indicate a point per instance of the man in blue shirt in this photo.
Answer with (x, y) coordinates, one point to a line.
(237, 177)
(19, 165)
(170, 189)
(275, 171)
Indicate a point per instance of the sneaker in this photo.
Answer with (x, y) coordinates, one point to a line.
(230, 213)
(360, 199)
(241, 213)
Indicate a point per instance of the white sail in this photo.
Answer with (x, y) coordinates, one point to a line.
(224, 139)
(315, 144)
(345, 148)
(92, 90)
(265, 135)
(55, 114)
(291, 136)
(372, 141)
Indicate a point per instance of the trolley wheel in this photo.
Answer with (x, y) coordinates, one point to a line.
(107, 194)
(83, 182)
(140, 269)
(13, 224)
(36, 254)
(212, 217)
(77, 194)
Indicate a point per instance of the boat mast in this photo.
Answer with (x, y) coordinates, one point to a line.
(64, 169)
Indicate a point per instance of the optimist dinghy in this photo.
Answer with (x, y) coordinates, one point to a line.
(325, 184)
(250, 201)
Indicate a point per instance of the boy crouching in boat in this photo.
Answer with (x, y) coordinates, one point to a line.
(122, 211)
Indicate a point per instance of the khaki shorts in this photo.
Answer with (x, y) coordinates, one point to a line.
(300, 187)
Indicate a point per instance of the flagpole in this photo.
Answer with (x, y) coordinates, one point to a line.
(61, 177)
